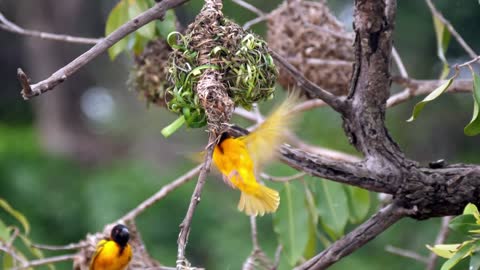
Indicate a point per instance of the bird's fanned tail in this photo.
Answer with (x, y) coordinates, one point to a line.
(264, 200)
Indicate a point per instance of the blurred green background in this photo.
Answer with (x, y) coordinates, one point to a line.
(81, 156)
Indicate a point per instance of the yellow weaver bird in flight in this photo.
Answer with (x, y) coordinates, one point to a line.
(115, 253)
(240, 159)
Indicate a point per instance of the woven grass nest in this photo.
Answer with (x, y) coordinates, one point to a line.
(149, 73)
(315, 42)
(214, 67)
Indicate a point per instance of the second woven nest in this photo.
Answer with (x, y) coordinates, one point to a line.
(315, 42)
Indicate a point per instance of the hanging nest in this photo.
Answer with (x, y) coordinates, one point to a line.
(315, 42)
(214, 67)
(140, 259)
(149, 74)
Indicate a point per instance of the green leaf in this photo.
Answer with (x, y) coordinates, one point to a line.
(359, 203)
(463, 252)
(4, 232)
(443, 38)
(118, 16)
(473, 128)
(475, 259)
(471, 209)
(7, 261)
(289, 222)
(433, 95)
(167, 26)
(332, 206)
(135, 8)
(16, 214)
(464, 224)
(445, 251)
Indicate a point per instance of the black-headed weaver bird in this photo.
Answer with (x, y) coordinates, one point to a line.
(114, 253)
(240, 159)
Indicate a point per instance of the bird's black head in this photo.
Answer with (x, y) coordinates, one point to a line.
(120, 235)
(224, 136)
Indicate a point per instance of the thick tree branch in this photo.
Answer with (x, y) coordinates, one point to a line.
(9, 26)
(154, 13)
(364, 122)
(374, 226)
(350, 173)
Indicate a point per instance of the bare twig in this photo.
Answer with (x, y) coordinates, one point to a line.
(282, 178)
(424, 87)
(308, 105)
(451, 29)
(249, 7)
(185, 225)
(441, 237)
(337, 103)
(9, 26)
(50, 260)
(294, 140)
(164, 191)
(468, 63)
(406, 253)
(72, 246)
(252, 22)
(326, 152)
(374, 226)
(14, 236)
(253, 227)
(156, 12)
(278, 253)
(399, 62)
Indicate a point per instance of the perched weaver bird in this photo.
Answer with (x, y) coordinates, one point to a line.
(115, 253)
(239, 159)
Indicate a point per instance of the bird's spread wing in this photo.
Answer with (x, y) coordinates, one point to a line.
(98, 250)
(263, 142)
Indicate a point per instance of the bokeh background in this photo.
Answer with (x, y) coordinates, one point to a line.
(81, 156)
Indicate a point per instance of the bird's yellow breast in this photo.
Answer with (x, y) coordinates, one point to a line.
(110, 256)
(233, 160)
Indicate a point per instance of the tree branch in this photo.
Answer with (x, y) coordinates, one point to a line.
(406, 253)
(9, 26)
(72, 246)
(350, 173)
(249, 7)
(156, 12)
(424, 87)
(374, 226)
(50, 260)
(195, 200)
